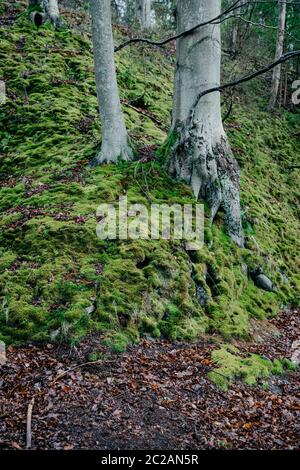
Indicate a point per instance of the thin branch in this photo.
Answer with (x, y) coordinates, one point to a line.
(144, 113)
(252, 23)
(266, 26)
(245, 78)
(178, 36)
(222, 17)
(229, 110)
(84, 364)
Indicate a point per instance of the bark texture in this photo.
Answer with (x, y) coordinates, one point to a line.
(201, 155)
(279, 51)
(53, 11)
(143, 13)
(46, 10)
(114, 135)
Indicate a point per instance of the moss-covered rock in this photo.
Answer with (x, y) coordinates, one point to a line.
(250, 369)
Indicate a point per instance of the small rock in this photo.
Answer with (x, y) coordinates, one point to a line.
(261, 280)
(295, 358)
(90, 309)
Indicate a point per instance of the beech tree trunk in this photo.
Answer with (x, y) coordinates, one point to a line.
(143, 13)
(279, 51)
(46, 10)
(201, 155)
(114, 134)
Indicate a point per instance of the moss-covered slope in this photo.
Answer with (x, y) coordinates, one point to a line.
(58, 280)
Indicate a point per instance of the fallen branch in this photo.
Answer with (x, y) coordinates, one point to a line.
(60, 376)
(28, 424)
(144, 113)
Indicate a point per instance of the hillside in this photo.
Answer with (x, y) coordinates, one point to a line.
(58, 280)
(141, 344)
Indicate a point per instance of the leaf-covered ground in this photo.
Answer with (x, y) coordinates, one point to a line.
(155, 396)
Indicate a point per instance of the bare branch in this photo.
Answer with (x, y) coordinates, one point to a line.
(245, 78)
(233, 7)
(266, 26)
(218, 19)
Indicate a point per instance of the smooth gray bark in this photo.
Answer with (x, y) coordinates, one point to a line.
(47, 8)
(143, 13)
(279, 51)
(201, 155)
(114, 134)
(53, 11)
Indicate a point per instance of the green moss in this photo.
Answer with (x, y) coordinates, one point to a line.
(53, 267)
(117, 341)
(231, 365)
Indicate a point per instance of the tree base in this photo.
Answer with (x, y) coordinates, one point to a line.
(112, 155)
(213, 173)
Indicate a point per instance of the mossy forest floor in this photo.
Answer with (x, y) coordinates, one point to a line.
(60, 284)
(58, 281)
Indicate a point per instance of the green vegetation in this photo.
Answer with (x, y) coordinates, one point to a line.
(58, 281)
(250, 369)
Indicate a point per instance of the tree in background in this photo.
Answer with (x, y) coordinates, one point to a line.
(143, 13)
(236, 34)
(164, 13)
(114, 134)
(201, 155)
(45, 10)
(259, 27)
(279, 50)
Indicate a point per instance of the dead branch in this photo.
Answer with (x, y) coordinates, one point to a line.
(28, 424)
(144, 113)
(60, 376)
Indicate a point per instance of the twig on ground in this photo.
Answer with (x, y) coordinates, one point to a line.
(60, 376)
(28, 424)
(144, 113)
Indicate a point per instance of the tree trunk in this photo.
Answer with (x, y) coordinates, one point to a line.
(236, 31)
(279, 51)
(201, 155)
(115, 10)
(53, 11)
(114, 135)
(45, 10)
(143, 13)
